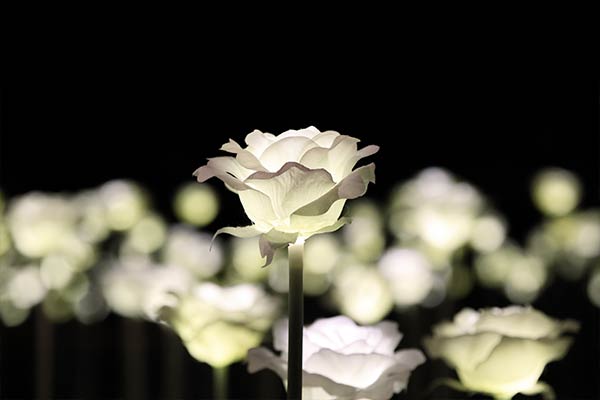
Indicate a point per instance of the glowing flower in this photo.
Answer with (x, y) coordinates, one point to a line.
(501, 352)
(292, 185)
(342, 360)
(218, 325)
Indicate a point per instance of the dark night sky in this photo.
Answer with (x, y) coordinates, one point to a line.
(494, 131)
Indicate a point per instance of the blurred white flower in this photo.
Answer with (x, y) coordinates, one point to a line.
(365, 236)
(124, 204)
(190, 249)
(556, 191)
(361, 292)
(41, 224)
(342, 360)
(436, 209)
(292, 185)
(500, 352)
(409, 275)
(196, 204)
(138, 289)
(218, 325)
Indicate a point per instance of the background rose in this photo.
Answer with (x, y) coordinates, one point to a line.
(291, 185)
(219, 324)
(342, 360)
(500, 351)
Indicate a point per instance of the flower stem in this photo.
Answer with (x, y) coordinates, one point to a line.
(296, 321)
(220, 380)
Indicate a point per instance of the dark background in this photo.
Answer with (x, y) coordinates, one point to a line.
(494, 131)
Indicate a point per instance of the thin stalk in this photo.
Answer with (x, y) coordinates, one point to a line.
(220, 382)
(296, 321)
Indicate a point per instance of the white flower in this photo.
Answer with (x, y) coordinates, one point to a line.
(292, 185)
(193, 250)
(219, 324)
(500, 352)
(342, 360)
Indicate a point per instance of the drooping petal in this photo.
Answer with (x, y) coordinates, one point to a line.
(245, 157)
(351, 187)
(291, 187)
(273, 240)
(239, 231)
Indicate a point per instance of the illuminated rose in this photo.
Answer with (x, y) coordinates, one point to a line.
(292, 185)
(218, 325)
(342, 360)
(501, 352)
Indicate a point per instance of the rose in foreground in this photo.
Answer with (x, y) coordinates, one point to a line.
(342, 360)
(293, 185)
(219, 324)
(501, 352)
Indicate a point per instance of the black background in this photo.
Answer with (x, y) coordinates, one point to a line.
(494, 131)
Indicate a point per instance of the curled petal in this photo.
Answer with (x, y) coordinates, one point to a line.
(273, 240)
(351, 187)
(285, 150)
(291, 187)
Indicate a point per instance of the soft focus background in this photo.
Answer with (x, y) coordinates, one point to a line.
(494, 134)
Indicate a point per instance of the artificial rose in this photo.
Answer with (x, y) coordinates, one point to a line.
(219, 324)
(342, 360)
(501, 352)
(293, 185)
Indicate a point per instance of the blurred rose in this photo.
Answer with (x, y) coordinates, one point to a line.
(218, 325)
(500, 352)
(342, 360)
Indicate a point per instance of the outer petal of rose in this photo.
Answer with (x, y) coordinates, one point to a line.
(351, 187)
(357, 370)
(261, 358)
(273, 240)
(466, 351)
(395, 378)
(514, 365)
(309, 225)
(239, 231)
(258, 207)
(244, 157)
(285, 150)
(226, 169)
(341, 152)
(523, 322)
(291, 187)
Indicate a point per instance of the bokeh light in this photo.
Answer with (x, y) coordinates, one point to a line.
(556, 191)
(196, 204)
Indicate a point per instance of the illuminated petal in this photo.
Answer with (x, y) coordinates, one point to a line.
(285, 150)
(466, 351)
(291, 187)
(351, 187)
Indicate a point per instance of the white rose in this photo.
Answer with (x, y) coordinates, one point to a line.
(292, 185)
(500, 352)
(218, 325)
(342, 360)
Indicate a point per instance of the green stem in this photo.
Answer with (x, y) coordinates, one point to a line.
(220, 378)
(296, 321)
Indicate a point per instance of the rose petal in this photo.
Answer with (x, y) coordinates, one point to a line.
(513, 366)
(358, 370)
(259, 208)
(466, 351)
(285, 150)
(523, 322)
(258, 141)
(291, 187)
(351, 187)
